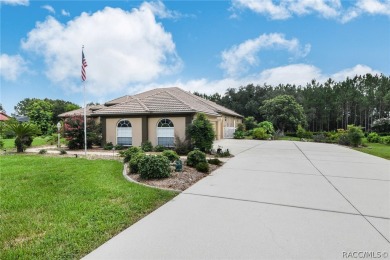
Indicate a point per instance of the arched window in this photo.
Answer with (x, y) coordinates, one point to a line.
(124, 133)
(165, 133)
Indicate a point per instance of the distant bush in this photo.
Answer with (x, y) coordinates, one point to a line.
(147, 146)
(319, 138)
(159, 148)
(195, 157)
(268, 126)
(108, 146)
(373, 138)
(154, 167)
(63, 151)
(355, 135)
(385, 140)
(238, 134)
(250, 123)
(302, 133)
(203, 167)
(171, 155)
(260, 134)
(135, 161)
(240, 127)
(343, 139)
(214, 161)
(42, 151)
(127, 154)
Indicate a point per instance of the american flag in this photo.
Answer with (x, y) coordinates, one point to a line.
(83, 65)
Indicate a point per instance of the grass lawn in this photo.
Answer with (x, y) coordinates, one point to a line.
(38, 141)
(380, 150)
(63, 208)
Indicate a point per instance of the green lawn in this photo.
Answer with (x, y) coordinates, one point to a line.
(380, 150)
(63, 208)
(38, 141)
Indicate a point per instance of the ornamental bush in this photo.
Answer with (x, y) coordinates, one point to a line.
(134, 162)
(171, 155)
(127, 154)
(238, 134)
(154, 167)
(268, 126)
(159, 148)
(260, 134)
(147, 146)
(201, 133)
(195, 157)
(214, 161)
(203, 167)
(373, 138)
(355, 135)
(385, 140)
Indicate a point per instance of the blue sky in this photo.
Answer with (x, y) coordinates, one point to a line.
(204, 46)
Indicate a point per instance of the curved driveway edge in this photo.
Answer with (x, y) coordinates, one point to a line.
(273, 200)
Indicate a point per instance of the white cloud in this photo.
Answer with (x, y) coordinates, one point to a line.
(11, 66)
(159, 9)
(65, 13)
(298, 74)
(49, 8)
(331, 9)
(240, 57)
(121, 48)
(15, 2)
(352, 72)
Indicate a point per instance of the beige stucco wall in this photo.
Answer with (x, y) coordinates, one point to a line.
(136, 124)
(179, 124)
(223, 121)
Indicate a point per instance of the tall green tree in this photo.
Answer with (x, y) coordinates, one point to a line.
(40, 113)
(284, 112)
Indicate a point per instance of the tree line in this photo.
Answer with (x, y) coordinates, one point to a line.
(328, 106)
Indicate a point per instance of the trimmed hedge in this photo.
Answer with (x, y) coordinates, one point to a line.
(195, 157)
(154, 167)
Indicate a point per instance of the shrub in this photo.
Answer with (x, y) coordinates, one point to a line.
(147, 146)
(62, 152)
(301, 131)
(355, 135)
(260, 134)
(195, 157)
(385, 140)
(201, 132)
(42, 151)
(214, 161)
(238, 134)
(268, 126)
(108, 146)
(319, 138)
(203, 167)
(134, 162)
(171, 155)
(221, 153)
(74, 132)
(22, 143)
(119, 147)
(250, 123)
(343, 139)
(159, 148)
(182, 147)
(154, 167)
(240, 127)
(373, 138)
(127, 154)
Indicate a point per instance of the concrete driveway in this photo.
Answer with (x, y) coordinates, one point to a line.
(273, 200)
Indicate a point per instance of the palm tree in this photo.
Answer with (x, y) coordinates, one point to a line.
(24, 133)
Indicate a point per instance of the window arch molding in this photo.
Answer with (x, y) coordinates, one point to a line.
(124, 132)
(165, 132)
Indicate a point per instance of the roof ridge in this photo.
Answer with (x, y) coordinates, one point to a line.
(183, 102)
(142, 104)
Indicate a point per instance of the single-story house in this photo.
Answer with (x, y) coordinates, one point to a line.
(158, 116)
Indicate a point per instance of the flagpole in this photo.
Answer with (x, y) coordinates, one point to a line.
(85, 113)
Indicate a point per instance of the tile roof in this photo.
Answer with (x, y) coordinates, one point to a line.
(162, 100)
(80, 111)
